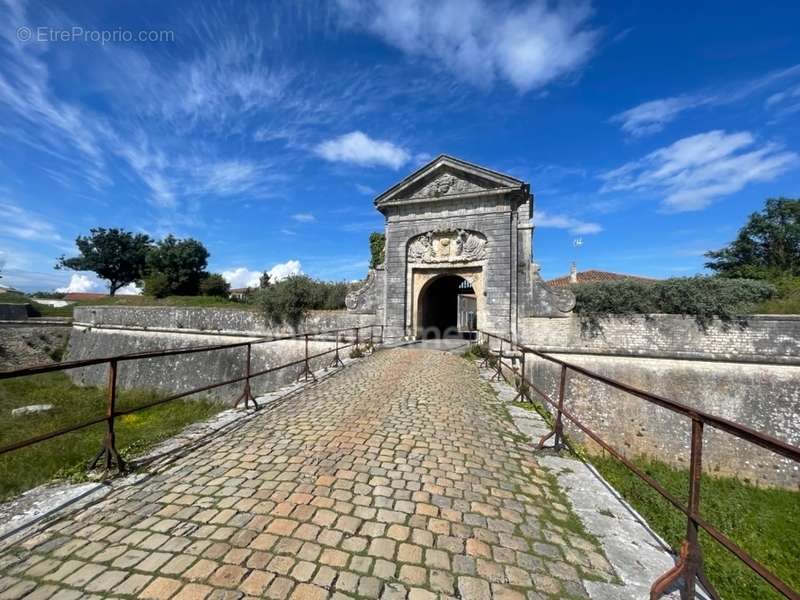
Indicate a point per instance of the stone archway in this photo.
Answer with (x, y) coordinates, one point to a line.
(435, 293)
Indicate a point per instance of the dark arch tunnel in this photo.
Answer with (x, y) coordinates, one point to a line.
(439, 307)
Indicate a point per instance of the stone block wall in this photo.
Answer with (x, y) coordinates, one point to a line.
(750, 376)
(212, 320)
(103, 331)
(180, 373)
(14, 312)
(770, 338)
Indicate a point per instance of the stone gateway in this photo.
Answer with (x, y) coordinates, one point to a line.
(458, 255)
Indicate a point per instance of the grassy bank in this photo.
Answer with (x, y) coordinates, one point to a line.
(764, 522)
(43, 310)
(66, 456)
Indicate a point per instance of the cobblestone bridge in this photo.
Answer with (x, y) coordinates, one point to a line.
(401, 476)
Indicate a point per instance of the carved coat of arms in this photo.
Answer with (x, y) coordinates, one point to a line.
(447, 246)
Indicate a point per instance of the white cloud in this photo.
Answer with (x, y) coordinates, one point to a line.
(284, 270)
(528, 45)
(303, 217)
(82, 283)
(22, 224)
(130, 290)
(696, 170)
(365, 189)
(556, 221)
(784, 103)
(358, 148)
(241, 277)
(652, 116)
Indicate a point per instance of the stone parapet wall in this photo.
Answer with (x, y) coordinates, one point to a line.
(14, 312)
(763, 397)
(181, 373)
(764, 338)
(211, 320)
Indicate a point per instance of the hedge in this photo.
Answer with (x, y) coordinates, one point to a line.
(704, 298)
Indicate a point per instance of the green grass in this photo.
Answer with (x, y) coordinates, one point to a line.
(42, 310)
(779, 306)
(66, 456)
(764, 522)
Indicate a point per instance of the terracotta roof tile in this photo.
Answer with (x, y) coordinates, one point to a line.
(593, 276)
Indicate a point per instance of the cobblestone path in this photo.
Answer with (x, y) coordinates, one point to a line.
(398, 477)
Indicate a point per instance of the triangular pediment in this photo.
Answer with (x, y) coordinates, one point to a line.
(447, 177)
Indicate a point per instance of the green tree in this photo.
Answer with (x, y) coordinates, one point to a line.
(265, 280)
(214, 284)
(767, 247)
(289, 300)
(181, 262)
(156, 285)
(377, 249)
(116, 255)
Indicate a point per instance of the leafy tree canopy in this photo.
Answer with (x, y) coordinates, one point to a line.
(182, 264)
(264, 280)
(767, 247)
(116, 255)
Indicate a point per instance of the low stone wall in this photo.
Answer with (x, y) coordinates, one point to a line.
(749, 375)
(101, 331)
(14, 312)
(180, 373)
(763, 397)
(210, 320)
(765, 338)
(31, 344)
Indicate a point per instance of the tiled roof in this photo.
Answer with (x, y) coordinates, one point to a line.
(593, 276)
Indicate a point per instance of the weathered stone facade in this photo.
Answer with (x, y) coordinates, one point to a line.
(452, 217)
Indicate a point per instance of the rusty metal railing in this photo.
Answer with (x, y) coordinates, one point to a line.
(689, 566)
(108, 450)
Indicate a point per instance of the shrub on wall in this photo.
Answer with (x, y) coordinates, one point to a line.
(214, 284)
(288, 301)
(704, 298)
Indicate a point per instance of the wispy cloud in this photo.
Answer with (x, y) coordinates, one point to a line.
(527, 45)
(694, 171)
(558, 221)
(304, 217)
(365, 189)
(784, 103)
(652, 116)
(23, 224)
(358, 148)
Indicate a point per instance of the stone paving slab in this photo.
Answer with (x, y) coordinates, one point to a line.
(401, 476)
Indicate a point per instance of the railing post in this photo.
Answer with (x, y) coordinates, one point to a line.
(558, 426)
(522, 385)
(371, 345)
(690, 563)
(337, 360)
(306, 372)
(381, 335)
(355, 349)
(247, 393)
(498, 376)
(109, 449)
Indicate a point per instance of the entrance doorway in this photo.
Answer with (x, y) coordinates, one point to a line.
(447, 308)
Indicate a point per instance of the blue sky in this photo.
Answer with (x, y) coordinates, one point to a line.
(265, 129)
